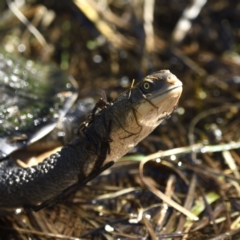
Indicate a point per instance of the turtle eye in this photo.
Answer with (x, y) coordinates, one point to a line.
(147, 86)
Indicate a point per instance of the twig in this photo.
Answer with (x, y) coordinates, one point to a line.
(185, 22)
(148, 24)
(25, 21)
(162, 196)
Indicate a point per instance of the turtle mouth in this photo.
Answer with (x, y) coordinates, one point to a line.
(166, 102)
(159, 106)
(173, 88)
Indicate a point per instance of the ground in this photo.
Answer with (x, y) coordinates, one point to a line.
(107, 44)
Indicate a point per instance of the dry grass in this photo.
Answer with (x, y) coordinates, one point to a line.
(104, 46)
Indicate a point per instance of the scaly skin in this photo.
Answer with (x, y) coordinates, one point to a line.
(109, 135)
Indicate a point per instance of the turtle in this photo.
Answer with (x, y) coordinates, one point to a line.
(36, 98)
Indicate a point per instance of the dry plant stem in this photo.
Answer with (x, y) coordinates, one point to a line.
(39, 234)
(211, 174)
(185, 22)
(38, 16)
(149, 228)
(108, 15)
(210, 212)
(116, 194)
(148, 24)
(128, 236)
(210, 161)
(230, 161)
(162, 196)
(30, 27)
(222, 218)
(226, 235)
(227, 214)
(235, 223)
(171, 235)
(170, 224)
(195, 148)
(117, 39)
(236, 157)
(46, 226)
(236, 186)
(205, 220)
(187, 230)
(169, 192)
(188, 62)
(188, 203)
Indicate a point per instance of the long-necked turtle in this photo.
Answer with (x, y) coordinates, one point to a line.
(33, 101)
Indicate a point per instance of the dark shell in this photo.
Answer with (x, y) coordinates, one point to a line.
(33, 97)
